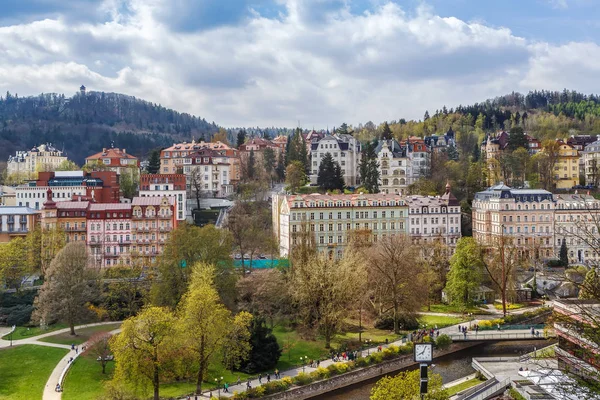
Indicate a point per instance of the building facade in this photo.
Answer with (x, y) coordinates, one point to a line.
(576, 222)
(176, 157)
(114, 159)
(169, 185)
(41, 158)
(435, 218)
(99, 186)
(209, 173)
(566, 170)
(591, 163)
(344, 149)
(420, 158)
(526, 216)
(395, 167)
(16, 222)
(69, 216)
(332, 219)
(152, 219)
(109, 234)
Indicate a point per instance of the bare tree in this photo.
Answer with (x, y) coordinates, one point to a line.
(397, 270)
(195, 180)
(98, 345)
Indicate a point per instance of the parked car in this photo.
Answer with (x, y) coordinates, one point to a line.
(578, 187)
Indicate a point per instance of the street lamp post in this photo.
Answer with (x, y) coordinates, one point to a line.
(470, 319)
(368, 341)
(303, 360)
(218, 382)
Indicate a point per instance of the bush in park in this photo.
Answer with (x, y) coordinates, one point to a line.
(323, 373)
(302, 379)
(443, 342)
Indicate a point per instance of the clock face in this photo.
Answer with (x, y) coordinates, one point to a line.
(423, 352)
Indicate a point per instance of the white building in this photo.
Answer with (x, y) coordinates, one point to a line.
(41, 158)
(434, 218)
(395, 168)
(591, 163)
(210, 171)
(34, 196)
(345, 150)
(420, 159)
(576, 223)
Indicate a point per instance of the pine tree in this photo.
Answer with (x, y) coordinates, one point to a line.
(241, 137)
(330, 175)
(154, 162)
(265, 350)
(369, 168)
(280, 169)
(386, 132)
(251, 165)
(564, 254)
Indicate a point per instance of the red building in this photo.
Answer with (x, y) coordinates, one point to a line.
(99, 186)
(157, 182)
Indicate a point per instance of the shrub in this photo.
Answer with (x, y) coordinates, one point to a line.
(405, 321)
(323, 373)
(376, 358)
(363, 361)
(394, 349)
(443, 342)
(387, 354)
(18, 315)
(287, 381)
(302, 379)
(275, 386)
(255, 392)
(337, 368)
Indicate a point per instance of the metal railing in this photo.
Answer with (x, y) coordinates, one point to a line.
(458, 337)
(488, 390)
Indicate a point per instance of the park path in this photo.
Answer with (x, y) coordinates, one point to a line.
(453, 329)
(49, 390)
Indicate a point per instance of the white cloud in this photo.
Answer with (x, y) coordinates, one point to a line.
(319, 64)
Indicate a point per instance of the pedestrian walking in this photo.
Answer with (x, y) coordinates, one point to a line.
(248, 385)
(239, 381)
(260, 378)
(226, 387)
(268, 378)
(532, 331)
(277, 372)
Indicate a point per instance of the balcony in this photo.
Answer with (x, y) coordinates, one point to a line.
(162, 216)
(143, 229)
(95, 243)
(164, 228)
(75, 229)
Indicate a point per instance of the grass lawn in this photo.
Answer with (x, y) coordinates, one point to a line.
(448, 308)
(294, 346)
(82, 335)
(85, 380)
(25, 369)
(463, 386)
(509, 306)
(25, 332)
(441, 321)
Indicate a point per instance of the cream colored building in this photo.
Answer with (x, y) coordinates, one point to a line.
(576, 222)
(525, 215)
(566, 170)
(331, 219)
(395, 167)
(42, 158)
(591, 163)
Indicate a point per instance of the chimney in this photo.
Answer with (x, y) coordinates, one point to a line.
(124, 151)
(104, 149)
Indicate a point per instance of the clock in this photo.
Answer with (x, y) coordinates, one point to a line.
(423, 352)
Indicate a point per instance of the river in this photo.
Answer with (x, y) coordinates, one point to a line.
(450, 367)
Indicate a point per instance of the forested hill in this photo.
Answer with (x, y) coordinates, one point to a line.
(85, 123)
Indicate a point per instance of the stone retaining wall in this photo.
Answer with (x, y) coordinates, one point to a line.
(358, 375)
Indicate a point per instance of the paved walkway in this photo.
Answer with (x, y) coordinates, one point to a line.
(324, 363)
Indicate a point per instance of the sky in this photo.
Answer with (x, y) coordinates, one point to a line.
(312, 63)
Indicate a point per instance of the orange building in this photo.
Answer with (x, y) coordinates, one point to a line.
(116, 160)
(70, 216)
(16, 222)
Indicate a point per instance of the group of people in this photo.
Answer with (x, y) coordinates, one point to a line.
(432, 333)
(336, 357)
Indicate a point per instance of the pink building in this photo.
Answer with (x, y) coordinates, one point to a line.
(109, 233)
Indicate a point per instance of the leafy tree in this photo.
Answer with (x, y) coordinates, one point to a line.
(13, 262)
(145, 349)
(590, 287)
(564, 254)
(406, 386)
(67, 165)
(206, 323)
(69, 285)
(124, 291)
(241, 138)
(264, 293)
(187, 245)
(221, 136)
(465, 272)
(265, 350)
(295, 177)
(397, 275)
(369, 169)
(129, 182)
(343, 129)
(323, 288)
(436, 260)
(296, 151)
(386, 132)
(329, 177)
(154, 162)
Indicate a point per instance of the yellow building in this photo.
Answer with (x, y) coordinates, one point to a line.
(566, 170)
(42, 158)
